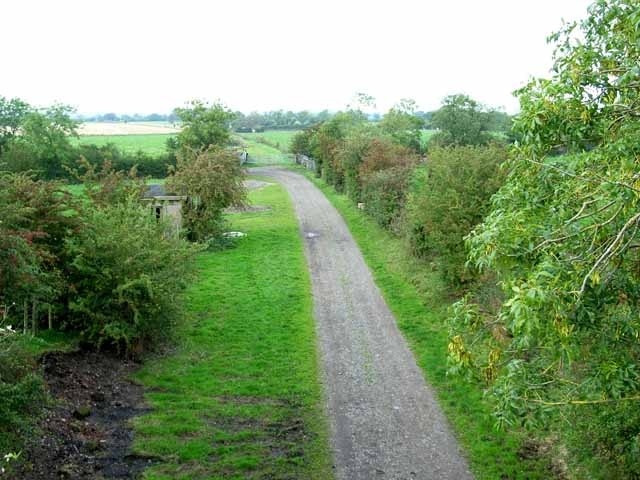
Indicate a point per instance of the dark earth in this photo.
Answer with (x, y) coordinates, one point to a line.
(85, 432)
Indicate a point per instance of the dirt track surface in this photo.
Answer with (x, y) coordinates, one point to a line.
(385, 421)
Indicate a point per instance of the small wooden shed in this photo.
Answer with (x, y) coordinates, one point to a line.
(165, 205)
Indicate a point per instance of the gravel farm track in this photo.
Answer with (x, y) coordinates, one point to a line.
(385, 421)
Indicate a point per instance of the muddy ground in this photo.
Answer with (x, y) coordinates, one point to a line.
(84, 432)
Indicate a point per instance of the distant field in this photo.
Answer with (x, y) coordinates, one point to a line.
(426, 136)
(127, 128)
(265, 148)
(279, 138)
(153, 144)
(268, 148)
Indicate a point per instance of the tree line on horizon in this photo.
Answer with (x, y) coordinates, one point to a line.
(284, 119)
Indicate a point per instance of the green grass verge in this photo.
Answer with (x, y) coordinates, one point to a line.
(240, 397)
(418, 299)
(152, 144)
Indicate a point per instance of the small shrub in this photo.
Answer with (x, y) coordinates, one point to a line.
(351, 154)
(403, 126)
(384, 195)
(450, 195)
(302, 141)
(328, 140)
(35, 217)
(213, 180)
(382, 154)
(126, 276)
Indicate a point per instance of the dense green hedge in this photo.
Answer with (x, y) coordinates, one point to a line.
(449, 196)
(146, 165)
(434, 201)
(384, 195)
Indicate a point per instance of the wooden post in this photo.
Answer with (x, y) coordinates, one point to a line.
(50, 319)
(25, 316)
(34, 318)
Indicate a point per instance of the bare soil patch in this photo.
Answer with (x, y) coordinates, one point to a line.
(85, 434)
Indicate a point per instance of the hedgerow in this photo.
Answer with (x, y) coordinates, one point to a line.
(450, 195)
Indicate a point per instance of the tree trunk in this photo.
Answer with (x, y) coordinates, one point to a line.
(34, 318)
(25, 317)
(50, 319)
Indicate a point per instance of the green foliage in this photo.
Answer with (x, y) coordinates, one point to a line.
(277, 120)
(126, 275)
(156, 166)
(203, 125)
(99, 264)
(35, 217)
(450, 196)
(351, 154)
(12, 113)
(461, 121)
(403, 126)
(383, 177)
(212, 178)
(303, 141)
(384, 195)
(43, 145)
(326, 142)
(106, 186)
(382, 154)
(563, 237)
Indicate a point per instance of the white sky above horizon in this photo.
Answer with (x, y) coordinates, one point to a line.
(145, 56)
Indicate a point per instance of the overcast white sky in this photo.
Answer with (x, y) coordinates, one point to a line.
(151, 55)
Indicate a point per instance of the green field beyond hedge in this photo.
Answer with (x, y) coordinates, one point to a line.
(152, 144)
